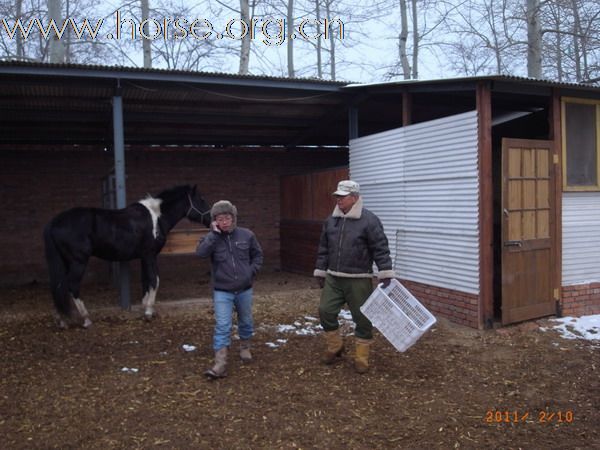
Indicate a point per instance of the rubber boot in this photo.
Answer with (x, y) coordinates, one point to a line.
(219, 369)
(245, 354)
(334, 347)
(361, 359)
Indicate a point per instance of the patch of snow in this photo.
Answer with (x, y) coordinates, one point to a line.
(188, 347)
(309, 326)
(584, 327)
(130, 370)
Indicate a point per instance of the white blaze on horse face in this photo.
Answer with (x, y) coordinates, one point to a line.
(150, 297)
(153, 206)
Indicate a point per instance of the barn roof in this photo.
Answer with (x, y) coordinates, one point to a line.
(72, 104)
(62, 104)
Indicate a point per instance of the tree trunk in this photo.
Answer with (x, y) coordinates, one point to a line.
(579, 49)
(56, 52)
(415, 28)
(332, 61)
(559, 57)
(319, 43)
(290, 42)
(245, 45)
(402, 40)
(534, 40)
(18, 37)
(146, 43)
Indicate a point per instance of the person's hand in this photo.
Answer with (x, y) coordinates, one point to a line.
(215, 227)
(385, 282)
(321, 282)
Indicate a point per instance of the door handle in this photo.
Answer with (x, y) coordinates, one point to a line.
(505, 213)
(513, 244)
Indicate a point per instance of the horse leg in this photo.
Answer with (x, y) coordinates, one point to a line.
(76, 270)
(150, 282)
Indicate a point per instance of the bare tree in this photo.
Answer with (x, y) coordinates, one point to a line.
(416, 39)
(534, 39)
(146, 43)
(402, 39)
(246, 40)
(290, 42)
(56, 45)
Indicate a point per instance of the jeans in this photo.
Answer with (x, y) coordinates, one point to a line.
(224, 303)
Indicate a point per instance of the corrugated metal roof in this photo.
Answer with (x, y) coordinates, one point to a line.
(115, 71)
(72, 104)
(491, 78)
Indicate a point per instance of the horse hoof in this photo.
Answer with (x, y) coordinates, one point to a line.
(61, 324)
(149, 317)
(87, 323)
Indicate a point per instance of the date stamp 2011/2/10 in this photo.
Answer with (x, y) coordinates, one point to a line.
(516, 416)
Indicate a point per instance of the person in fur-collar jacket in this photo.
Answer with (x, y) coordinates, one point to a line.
(352, 240)
(236, 257)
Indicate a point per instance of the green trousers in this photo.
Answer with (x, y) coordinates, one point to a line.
(351, 291)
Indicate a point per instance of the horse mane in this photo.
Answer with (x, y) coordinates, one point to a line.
(173, 194)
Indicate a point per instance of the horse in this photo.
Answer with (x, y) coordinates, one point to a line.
(138, 231)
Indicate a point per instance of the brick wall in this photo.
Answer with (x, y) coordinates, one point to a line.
(581, 300)
(456, 306)
(38, 182)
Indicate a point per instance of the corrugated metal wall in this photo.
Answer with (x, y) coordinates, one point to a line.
(422, 181)
(580, 238)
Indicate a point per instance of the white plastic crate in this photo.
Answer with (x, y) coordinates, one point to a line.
(398, 315)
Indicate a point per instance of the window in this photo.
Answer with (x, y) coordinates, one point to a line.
(581, 144)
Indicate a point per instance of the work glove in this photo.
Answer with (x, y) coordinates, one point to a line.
(321, 282)
(385, 282)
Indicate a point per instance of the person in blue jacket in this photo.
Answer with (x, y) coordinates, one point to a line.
(236, 258)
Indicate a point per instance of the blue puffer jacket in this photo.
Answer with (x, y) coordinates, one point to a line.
(236, 258)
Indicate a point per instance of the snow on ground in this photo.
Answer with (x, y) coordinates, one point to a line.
(584, 327)
(308, 326)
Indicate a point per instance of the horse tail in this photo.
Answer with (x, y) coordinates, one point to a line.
(57, 270)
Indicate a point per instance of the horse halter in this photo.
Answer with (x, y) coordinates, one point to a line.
(193, 208)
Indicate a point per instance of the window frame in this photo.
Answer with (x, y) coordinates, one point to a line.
(564, 102)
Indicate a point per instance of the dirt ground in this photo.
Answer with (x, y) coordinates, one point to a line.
(517, 387)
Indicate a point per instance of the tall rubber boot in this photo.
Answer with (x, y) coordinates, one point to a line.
(219, 369)
(361, 359)
(334, 347)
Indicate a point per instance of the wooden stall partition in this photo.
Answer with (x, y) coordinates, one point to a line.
(183, 241)
(306, 202)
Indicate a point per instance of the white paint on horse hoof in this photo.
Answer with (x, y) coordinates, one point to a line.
(85, 316)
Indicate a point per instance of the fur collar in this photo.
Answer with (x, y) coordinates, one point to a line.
(354, 213)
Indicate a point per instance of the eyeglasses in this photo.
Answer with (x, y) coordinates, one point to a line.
(224, 219)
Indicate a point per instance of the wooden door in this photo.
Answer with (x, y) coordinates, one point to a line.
(528, 240)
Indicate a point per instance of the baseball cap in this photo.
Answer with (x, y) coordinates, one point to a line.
(347, 187)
